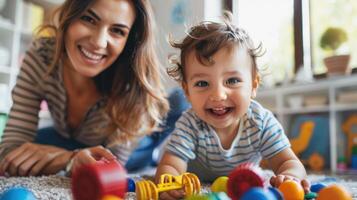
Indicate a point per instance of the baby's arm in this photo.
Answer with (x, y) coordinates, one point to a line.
(287, 166)
(171, 164)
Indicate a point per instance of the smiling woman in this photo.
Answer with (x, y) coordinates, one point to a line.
(100, 76)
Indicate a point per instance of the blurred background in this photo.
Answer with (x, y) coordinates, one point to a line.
(308, 70)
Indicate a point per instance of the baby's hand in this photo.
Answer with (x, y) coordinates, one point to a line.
(172, 195)
(275, 181)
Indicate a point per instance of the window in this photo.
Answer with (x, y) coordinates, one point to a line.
(270, 22)
(290, 31)
(332, 13)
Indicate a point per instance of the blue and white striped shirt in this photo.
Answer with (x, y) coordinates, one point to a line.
(196, 142)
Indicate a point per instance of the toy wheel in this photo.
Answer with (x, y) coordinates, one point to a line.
(191, 184)
(242, 179)
(146, 190)
(316, 162)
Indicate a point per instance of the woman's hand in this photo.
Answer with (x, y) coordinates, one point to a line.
(31, 159)
(276, 181)
(91, 155)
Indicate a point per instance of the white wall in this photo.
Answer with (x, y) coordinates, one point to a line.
(194, 11)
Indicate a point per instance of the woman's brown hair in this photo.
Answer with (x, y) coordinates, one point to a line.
(136, 98)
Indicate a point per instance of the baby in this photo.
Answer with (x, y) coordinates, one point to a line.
(225, 126)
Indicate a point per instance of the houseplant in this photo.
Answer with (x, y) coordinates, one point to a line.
(331, 41)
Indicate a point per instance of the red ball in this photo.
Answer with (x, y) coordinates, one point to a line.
(242, 178)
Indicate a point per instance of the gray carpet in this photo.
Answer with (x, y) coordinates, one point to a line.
(57, 187)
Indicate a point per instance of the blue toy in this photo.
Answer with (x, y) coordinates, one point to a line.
(131, 185)
(258, 193)
(276, 193)
(18, 193)
(316, 187)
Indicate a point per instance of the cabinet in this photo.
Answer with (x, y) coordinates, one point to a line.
(16, 19)
(332, 97)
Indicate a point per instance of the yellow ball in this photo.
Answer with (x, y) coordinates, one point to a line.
(220, 184)
(110, 197)
(334, 192)
(291, 190)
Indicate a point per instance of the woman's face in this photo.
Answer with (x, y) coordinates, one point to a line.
(96, 39)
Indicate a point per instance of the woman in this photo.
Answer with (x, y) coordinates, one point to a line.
(100, 77)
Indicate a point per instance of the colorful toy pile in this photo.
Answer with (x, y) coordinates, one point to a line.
(108, 181)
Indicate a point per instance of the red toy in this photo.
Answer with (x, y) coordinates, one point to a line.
(97, 180)
(242, 178)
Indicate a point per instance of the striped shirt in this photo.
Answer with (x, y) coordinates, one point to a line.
(196, 142)
(33, 86)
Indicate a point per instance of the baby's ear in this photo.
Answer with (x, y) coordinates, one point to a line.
(185, 88)
(255, 86)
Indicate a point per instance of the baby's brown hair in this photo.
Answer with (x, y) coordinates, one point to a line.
(206, 39)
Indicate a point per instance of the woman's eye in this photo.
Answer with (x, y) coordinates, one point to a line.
(201, 84)
(118, 31)
(232, 81)
(87, 18)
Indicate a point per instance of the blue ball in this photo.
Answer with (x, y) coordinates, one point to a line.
(131, 185)
(276, 193)
(258, 193)
(18, 194)
(316, 187)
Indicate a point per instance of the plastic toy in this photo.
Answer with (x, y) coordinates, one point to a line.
(111, 197)
(148, 190)
(257, 193)
(347, 128)
(334, 192)
(292, 190)
(242, 178)
(276, 193)
(316, 187)
(97, 180)
(210, 196)
(131, 185)
(18, 193)
(220, 184)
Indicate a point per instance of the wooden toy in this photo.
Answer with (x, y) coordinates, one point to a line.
(220, 184)
(18, 193)
(334, 192)
(94, 181)
(347, 128)
(148, 190)
(291, 190)
(242, 178)
(300, 144)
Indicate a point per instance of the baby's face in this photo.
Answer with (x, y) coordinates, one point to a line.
(220, 94)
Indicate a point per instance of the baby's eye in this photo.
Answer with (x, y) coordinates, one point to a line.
(233, 81)
(87, 18)
(201, 84)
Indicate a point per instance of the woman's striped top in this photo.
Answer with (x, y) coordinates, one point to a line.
(33, 86)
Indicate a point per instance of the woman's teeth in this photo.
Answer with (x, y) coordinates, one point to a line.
(91, 55)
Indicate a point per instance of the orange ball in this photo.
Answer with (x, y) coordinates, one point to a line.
(110, 197)
(334, 192)
(291, 190)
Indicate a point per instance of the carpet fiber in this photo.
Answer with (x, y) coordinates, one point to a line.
(58, 187)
